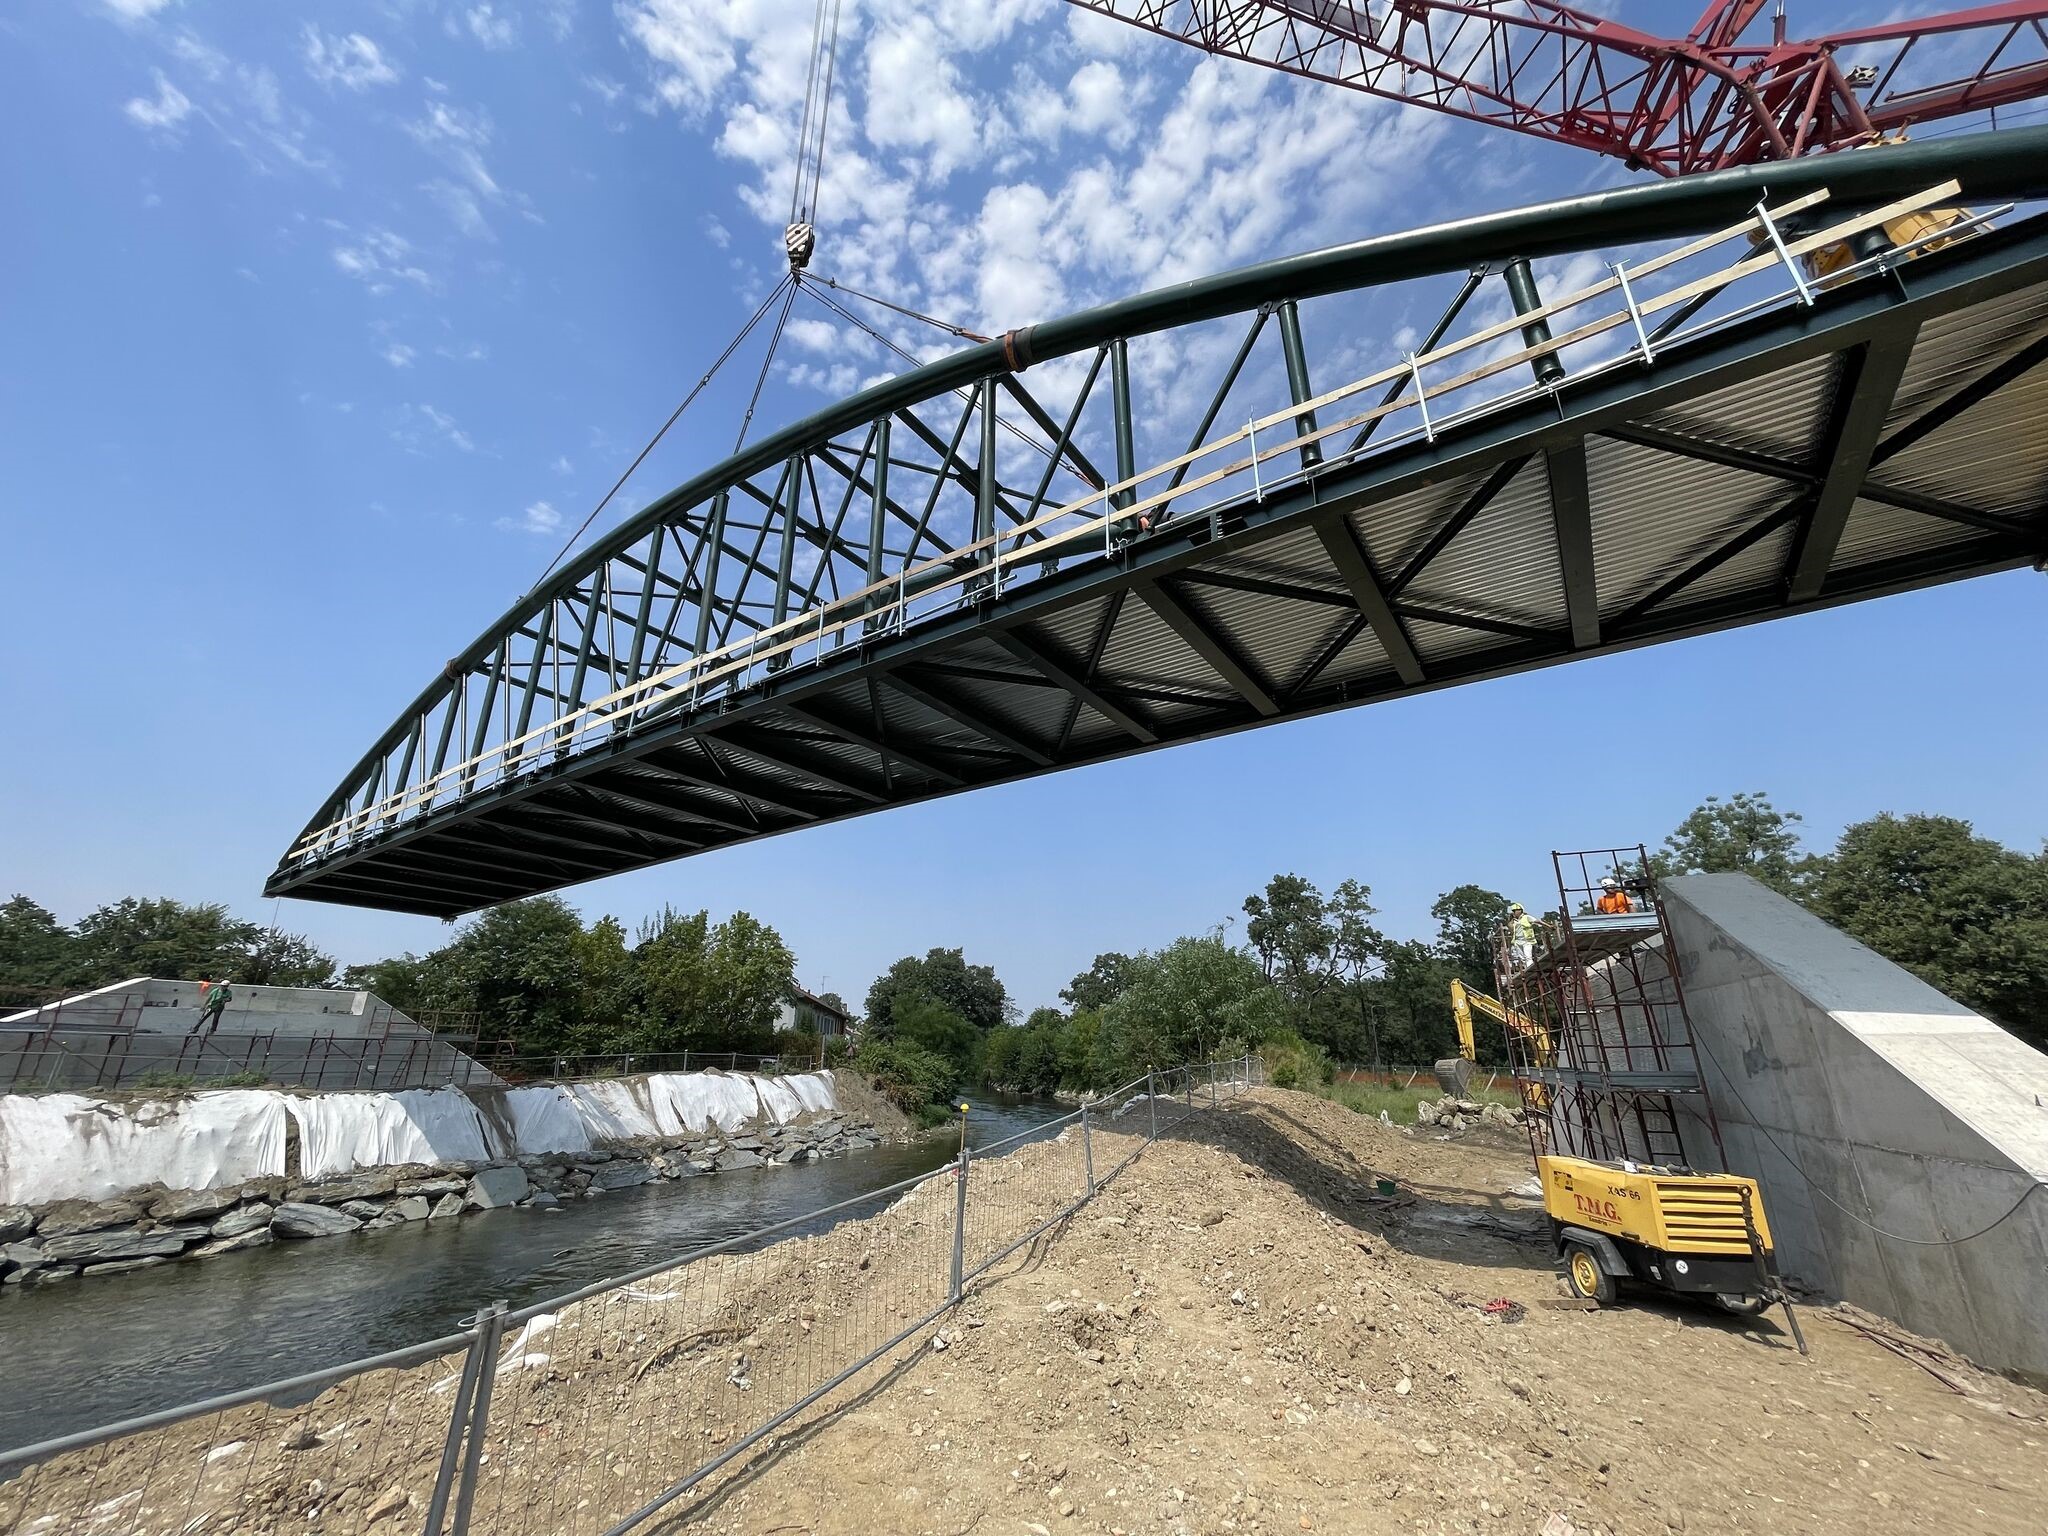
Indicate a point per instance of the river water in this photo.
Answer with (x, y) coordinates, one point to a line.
(91, 1352)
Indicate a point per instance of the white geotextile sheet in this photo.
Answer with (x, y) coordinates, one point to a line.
(544, 1119)
(341, 1132)
(611, 1111)
(694, 1101)
(66, 1146)
(816, 1090)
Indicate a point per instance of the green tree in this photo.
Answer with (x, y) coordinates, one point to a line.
(1964, 913)
(159, 937)
(927, 1024)
(404, 981)
(1101, 984)
(278, 959)
(1193, 1000)
(1467, 917)
(1744, 834)
(1361, 954)
(706, 988)
(516, 966)
(972, 991)
(672, 965)
(35, 949)
(751, 971)
(610, 985)
(1416, 1026)
(1291, 928)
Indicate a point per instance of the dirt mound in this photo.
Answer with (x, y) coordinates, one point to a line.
(1238, 1334)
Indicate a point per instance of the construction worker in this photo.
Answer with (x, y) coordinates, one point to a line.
(1613, 900)
(1521, 934)
(217, 996)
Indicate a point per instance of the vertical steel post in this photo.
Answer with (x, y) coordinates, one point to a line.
(707, 584)
(878, 514)
(451, 1447)
(1152, 1102)
(1087, 1151)
(792, 484)
(1120, 407)
(959, 1222)
(1522, 291)
(645, 607)
(1297, 381)
(542, 647)
(490, 1328)
(985, 475)
(1212, 1085)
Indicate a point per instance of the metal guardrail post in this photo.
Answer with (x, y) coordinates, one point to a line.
(458, 1421)
(490, 1327)
(1212, 1085)
(1087, 1151)
(1152, 1102)
(959, 1223)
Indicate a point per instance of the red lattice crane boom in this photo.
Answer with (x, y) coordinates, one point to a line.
(1670, 105)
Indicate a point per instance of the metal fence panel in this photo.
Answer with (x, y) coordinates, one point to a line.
(587, 1414)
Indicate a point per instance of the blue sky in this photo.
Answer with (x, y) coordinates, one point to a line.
(322, 326)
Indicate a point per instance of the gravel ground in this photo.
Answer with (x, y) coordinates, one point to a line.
(1237, 1335)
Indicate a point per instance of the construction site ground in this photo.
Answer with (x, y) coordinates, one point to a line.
(1240, 1333)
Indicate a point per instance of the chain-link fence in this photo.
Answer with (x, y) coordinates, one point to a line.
(591, 1413)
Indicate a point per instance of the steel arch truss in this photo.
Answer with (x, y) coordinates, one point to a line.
(951, 581)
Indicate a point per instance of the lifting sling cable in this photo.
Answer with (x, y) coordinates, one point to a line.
(695, 390)
(1002, 421)
(810, 166)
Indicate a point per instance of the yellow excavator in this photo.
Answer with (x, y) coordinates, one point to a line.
(1662, 1229)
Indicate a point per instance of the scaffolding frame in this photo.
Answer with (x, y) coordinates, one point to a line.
(1611, 1072)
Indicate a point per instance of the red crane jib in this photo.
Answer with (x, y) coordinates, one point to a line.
(1673, 106)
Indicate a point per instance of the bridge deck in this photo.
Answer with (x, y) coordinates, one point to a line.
(1887, 437)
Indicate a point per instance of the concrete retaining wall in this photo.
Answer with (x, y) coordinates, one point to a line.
(1886, 1122)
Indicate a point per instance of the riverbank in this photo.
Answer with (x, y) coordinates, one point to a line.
(1238, 1335)
(327, 1165)
(92, 1352)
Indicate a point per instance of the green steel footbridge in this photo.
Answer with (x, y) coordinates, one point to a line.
(1250, 498)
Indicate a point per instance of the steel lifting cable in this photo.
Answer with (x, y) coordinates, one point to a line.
(788, 282)
(960, 331)
(916, 362)
(802, 207)
(767, 362)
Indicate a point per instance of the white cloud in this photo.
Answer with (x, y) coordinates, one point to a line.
(491, 29)
(209, 61)
(1101, 100)
(164, 112)
(399, 355)
(462, 207)
(539, 517)
(444, 425)
(458, 137)
(353, 62)
(562, 466)
(379, 258)
(135, 10)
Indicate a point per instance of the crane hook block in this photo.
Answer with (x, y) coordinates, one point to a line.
(799, 240)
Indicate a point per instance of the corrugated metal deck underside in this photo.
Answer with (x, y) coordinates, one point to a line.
(1894, 436)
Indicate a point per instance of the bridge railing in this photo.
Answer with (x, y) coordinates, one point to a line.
(595, 1411)
(1420, 397)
